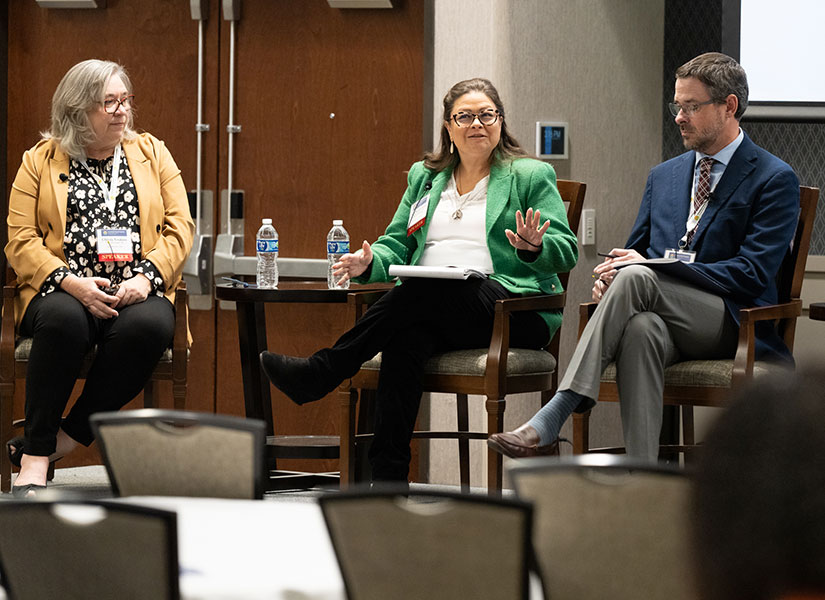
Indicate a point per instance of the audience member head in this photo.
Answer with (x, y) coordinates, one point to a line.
(446, 154)
(80, 118)
(759, 497)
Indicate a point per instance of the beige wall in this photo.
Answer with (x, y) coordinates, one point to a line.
(596, 64)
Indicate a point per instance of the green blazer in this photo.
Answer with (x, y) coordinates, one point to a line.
(514, 185)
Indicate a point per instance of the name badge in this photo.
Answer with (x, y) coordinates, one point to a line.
(686, 256)
(418, 215)
(114, 245)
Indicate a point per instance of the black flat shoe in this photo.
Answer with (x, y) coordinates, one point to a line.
(14, 447)
(293, 376)
(22, 491)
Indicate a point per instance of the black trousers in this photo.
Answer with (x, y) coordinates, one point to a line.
(63, 332)
(408, 325)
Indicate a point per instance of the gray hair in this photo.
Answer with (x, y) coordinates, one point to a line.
(722, 75)
(81, 91)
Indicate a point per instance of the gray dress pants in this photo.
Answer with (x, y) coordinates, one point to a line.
(645, 322)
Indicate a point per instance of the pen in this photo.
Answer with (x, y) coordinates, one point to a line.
(606, 255)
(238, 282)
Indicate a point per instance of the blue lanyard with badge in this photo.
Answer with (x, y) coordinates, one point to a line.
(113, 243)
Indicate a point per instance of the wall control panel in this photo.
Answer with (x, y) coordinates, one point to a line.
(551, 139)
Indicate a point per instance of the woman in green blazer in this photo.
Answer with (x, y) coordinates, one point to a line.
(477, 202)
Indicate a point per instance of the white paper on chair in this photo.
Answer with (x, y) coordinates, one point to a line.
(404, 271)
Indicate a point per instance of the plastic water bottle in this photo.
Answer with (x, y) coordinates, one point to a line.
(266, 244)
(337, 246)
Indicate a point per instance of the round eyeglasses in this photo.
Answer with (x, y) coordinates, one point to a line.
(111, 105)
(486, 117)
(688, 109)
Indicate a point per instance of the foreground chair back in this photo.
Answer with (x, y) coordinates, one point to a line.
(154, 452)
(449, 546)
(493, 372)
(14, 361)
(711, 382)
(606, 527)
(77, 551)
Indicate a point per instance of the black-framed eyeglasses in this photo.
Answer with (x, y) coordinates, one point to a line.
(688, 109)
(111, 105)
(485, 117)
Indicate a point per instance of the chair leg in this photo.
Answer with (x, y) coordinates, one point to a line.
(149, 395)
(581, 433)
(6, 417)
(179, 395)
(365, 423)
(495, 424)
(463, 417)
(688, 433)
(348, 399)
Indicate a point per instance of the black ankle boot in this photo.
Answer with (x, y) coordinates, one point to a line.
(295, 377)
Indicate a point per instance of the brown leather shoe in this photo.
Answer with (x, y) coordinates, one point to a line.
(521, 443)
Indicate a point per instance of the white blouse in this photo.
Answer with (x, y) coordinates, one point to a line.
(459, 242)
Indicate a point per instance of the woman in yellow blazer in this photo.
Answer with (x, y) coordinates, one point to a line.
(99, 229)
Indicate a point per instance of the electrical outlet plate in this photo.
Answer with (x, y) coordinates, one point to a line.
(588, 227)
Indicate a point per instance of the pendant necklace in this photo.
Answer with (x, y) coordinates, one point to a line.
(457, 214)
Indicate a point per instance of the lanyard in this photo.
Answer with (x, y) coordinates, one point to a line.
(694, 216)
(110, 194)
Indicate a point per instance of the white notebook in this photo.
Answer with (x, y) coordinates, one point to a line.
(404, 271)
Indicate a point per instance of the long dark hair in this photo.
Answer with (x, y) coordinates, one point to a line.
(507, 148)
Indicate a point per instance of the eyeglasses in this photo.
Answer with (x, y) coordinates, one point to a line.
(111, 105)
(487, 117)
(688, 109)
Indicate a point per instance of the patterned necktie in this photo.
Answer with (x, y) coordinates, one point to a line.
(702, 193)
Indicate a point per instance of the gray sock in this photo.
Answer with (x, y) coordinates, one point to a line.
(551, 416)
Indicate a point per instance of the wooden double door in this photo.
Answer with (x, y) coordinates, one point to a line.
(329, 102)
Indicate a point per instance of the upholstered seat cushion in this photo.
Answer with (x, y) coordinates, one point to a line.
(703, 373)
(23, 348)
(474, 362)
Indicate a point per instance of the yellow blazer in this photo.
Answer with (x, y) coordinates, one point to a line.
(37, 214)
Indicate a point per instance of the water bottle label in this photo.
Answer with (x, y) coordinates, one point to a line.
(337, 247)
(266, 245)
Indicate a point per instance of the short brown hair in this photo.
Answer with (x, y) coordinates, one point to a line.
(722, 75)
(508, 147)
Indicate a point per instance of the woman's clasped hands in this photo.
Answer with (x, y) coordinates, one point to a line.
(90, 291)
(606, 271)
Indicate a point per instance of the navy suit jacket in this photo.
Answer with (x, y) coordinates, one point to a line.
(743, 235)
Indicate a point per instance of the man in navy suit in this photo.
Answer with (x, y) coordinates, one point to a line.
(728, 209)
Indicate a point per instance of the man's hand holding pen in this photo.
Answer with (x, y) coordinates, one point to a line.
(605, 272)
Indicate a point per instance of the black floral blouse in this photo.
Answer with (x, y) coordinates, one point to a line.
(86, 212)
